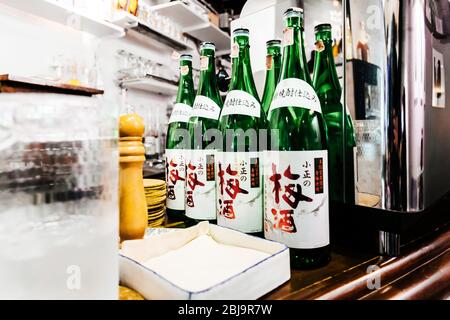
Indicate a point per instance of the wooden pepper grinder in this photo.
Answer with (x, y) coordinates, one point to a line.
(133, 206)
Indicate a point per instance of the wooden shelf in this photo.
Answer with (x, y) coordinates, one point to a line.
(60, 14)
(13, 84)
(181, 13)
(210, 32)
(151, 84)
(132, 25)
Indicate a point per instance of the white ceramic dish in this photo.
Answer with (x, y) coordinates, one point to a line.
(254, 266)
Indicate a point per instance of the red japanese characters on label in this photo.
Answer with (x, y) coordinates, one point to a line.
(175, 178)
(296, 198)
(239, 191)
(200, 194)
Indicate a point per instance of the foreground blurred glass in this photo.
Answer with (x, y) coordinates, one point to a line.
(58, 197)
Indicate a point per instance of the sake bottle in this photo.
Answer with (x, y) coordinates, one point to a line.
(175, 145)
(239, 179)
(296, 167)
(200, 192)
(273, 68)
(341, 136)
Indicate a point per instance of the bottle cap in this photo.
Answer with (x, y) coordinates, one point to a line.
(207, 45)
(293, 12)
(322, 27)
(273, 42)
(186, 56)
(241, 32)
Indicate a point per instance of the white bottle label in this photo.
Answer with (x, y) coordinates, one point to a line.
(181, 113)
(204, 61)
(205, 107)
(234, 50)
(175, 178)
(241, 102)
(296, 198)
(184, 70)
(200, 184)
(269, 62)
(288, 37)
(239, 191)
(294, 92)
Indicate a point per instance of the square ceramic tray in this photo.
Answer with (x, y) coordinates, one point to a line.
(186, 265)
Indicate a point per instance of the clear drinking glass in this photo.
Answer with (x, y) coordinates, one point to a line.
(58, 197)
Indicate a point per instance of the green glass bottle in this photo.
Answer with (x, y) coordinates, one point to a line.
(200, 193)
(296, 167)
(238, 166)
(175, 146)
(273, 69)
(341, 137)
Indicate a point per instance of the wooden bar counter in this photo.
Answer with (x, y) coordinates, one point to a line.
(422, 271)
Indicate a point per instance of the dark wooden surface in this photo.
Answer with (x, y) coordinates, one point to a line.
(13, 84)
(421, 272)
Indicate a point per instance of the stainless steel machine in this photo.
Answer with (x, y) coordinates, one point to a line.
(395, 69)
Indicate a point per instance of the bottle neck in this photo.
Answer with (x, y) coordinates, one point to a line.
(273, 64)
(326, 80)
(242, 75)
(294, 57)
(207, 72)
(186, 87)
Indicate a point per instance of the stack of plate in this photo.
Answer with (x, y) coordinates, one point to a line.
(155, 194)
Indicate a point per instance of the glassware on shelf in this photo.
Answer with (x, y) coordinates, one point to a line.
(132, 66)
(57, 68)
(93, 74)
(83, 74)
(71, 73)
(74, 71)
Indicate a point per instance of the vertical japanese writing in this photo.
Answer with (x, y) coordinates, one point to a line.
(239, 192)
(318, 168)
(173, 176)
(210, 168)
(192, 182)
(254, 174)
(232, 189)
(296, 198)
(287, 186)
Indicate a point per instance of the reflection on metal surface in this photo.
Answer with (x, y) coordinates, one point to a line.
(368, 200)
(389, 244)
(390, 94)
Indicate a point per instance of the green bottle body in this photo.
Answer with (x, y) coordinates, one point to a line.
(239, 176)
(296, 167)
(175, 146)
(341, 136)
(273, 70)
(200, 194)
